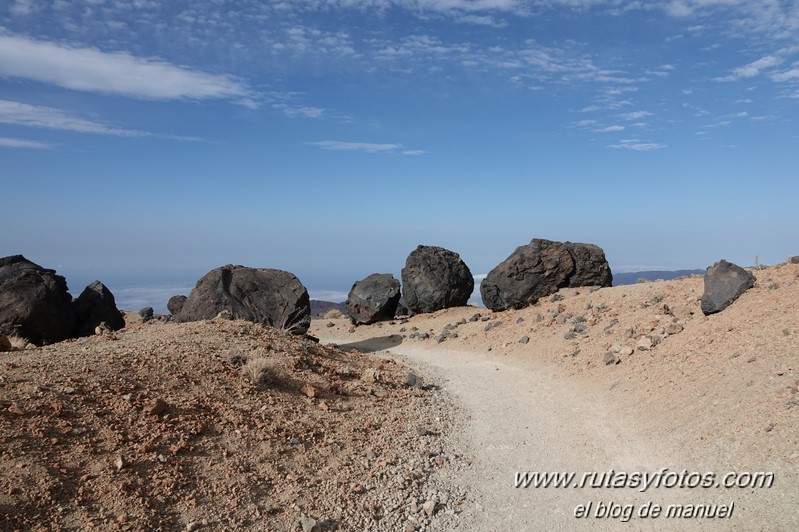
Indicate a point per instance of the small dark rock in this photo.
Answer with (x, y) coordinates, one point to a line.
(373, 299)
(492, 325)
(146, 313)
(96, 305)
(156, 407)
(414, 381)
(610, 358)
(524, 339)
(724, 283)
(175, 304)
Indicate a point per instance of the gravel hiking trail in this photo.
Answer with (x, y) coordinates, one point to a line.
(522, 416)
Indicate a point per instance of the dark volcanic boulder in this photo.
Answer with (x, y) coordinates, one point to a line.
(724, 282)
(541, 268)
(591, 268)
(94, 306)
(435, 278)
(34, 302)
(175, 304)
(271, 297)
(374, 298)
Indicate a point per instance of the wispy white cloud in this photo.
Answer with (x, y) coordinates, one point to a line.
(366, 147)
(635, 115)
(637, 145)
(22, 7)
(787, 75)
(609, 129)
(23, 114)
(481, 20)
(92, 70)
(299, 111)
(6, 142)
(752, 69)
(720, 123)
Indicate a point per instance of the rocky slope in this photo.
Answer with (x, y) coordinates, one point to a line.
(220, 424)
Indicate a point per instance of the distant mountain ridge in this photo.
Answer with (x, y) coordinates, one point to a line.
(319, 308)
(634, 277)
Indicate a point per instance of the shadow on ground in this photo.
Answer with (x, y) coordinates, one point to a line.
(370, 345)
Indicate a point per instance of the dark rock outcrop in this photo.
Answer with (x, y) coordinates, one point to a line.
(272, 297)
(591, 268)
(541, 268)
(435, 278)
(34, 302)
(94, 306)
(175, 304)
(724, 282)
(373, 299)
(147, 313)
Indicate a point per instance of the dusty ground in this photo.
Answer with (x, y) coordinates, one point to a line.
(157, 427)
(632, 378)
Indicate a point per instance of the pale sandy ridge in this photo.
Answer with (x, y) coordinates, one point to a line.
(719, 395)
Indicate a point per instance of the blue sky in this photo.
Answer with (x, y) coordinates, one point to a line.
(144, 142)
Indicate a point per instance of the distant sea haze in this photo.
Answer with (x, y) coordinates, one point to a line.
(134, 298)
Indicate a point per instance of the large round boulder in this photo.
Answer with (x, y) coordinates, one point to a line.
(541, 268)
(373, 299)
(95, 305)
(724, 283)
(435, 278)
(591, 268)
(272, 297)
(34, 302)
(175, 304)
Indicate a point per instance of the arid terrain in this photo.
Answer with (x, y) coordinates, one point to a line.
(631, 378)
(158, 426)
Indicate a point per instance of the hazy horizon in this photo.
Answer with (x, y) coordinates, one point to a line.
(136, 292)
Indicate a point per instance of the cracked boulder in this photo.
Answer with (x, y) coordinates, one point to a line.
(540, 269)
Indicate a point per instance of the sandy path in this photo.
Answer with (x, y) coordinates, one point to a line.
(522, 418)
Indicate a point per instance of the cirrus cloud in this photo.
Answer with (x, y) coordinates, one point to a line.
(119, 73)
(6, 142)
(365, 147)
